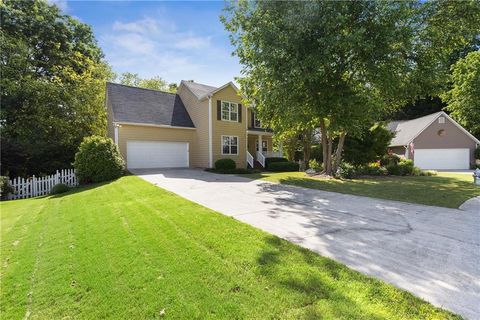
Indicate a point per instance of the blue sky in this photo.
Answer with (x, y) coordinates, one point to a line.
(174, 40)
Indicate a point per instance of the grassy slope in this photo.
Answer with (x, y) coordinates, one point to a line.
(128, 250)
(445, 190)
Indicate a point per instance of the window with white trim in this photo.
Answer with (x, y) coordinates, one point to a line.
(229, 145)
(229, 111)
(256, 122)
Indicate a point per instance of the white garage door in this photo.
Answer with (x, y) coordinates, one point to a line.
(442, 158)
(156, 154)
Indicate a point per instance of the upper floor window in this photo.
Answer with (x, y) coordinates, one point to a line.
(229, 111)
(256, 122)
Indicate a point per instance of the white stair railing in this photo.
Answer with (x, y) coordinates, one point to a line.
(261, 158)
(250, 160)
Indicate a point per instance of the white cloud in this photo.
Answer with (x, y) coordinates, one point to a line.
(144, 26)
(152, 47)
(62, 4)
(134, 43)
(193, 42)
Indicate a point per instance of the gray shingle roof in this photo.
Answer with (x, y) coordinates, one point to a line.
(138, 105)
(199, 89)
(406, 131)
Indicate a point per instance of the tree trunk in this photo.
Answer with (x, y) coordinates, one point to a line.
(338, 152)
(307, 146)
(323, 132)
(328, 165)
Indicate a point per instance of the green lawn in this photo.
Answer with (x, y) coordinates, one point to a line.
(445, 190)
(127, 250)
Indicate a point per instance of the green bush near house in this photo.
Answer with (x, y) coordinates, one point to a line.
(389, 159)
(59, 188)
(404, 167)
(225, 164)
(283, 167)
(98, 159)
(347, 171)
(270, 160)
(372, 169)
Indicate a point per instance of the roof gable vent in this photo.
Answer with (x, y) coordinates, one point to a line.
(441, 120)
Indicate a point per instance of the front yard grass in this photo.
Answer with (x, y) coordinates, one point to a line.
(128, 250)
(445, 190)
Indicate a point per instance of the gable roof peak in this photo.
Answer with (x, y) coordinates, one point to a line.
(407, 131)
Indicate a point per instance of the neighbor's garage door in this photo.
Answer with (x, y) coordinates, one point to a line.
(442, 158)
(156, 154)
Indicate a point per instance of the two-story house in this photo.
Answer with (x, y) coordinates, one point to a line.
(192, 128)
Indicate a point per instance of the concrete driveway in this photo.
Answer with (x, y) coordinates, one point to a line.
(430, 251)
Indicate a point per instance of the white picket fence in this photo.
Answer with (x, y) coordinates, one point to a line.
(33, 187)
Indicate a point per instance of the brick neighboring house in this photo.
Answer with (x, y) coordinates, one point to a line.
(435, 141)
(192, 128)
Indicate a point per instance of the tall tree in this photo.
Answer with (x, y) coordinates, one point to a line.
(339, 65)
(342, 65)
(449, 31)
(155, 83)
(464, 98)
(52, 85)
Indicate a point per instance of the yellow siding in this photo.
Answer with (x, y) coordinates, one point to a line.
(229, 128)
(198, 111)
(133, 132)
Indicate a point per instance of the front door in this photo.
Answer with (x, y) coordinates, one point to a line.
(264, 145)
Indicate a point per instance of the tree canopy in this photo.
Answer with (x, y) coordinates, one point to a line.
(52, 85)
(464, 97)
(155, 83)
(338, 65)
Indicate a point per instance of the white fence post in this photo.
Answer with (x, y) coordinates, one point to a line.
(39, 186)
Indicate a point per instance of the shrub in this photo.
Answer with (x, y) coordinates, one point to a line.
(225, 164)
(59, 188)
(403, 168)
(347, 171)
(5, 187)
(428, 173)
(98, 159)
(369, 147)
(477, 153)
(283, 166)
(389, 159)
(314, 165)
(425, 173)
(270, 160)
(372, 169)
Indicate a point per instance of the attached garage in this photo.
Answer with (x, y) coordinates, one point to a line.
(157, 154)
(456, 159)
